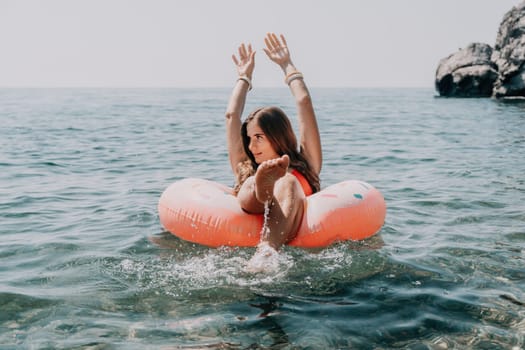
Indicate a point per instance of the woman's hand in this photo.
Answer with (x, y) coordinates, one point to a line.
(277, 50)
(246, 61)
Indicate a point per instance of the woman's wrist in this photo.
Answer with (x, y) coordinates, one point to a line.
(288, 68)
(246, 79)
(293, 75)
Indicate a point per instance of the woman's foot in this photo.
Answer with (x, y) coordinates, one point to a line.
(265, 260)
(267, 174)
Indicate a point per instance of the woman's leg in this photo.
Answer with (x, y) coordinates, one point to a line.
(285, 212)
(273, 184)
(247, 198)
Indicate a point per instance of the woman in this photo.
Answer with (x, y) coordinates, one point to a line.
(269, 166)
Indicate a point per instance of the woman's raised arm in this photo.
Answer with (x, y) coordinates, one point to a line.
(309, 138)
(245, 64)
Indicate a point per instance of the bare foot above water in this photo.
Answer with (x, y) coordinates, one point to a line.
(267, 174)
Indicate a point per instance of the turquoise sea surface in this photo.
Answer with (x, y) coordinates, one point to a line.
(85, 263)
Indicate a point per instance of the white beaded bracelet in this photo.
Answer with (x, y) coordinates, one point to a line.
(292, 76)
(246, 80)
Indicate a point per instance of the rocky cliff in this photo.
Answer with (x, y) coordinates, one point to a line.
(482, 71)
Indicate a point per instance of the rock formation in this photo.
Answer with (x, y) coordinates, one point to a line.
(481, 71)
(467, 73)
(509, 54)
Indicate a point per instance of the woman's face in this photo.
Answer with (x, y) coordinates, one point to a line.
(260, 146)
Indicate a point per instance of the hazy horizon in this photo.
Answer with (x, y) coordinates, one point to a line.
(188, 44)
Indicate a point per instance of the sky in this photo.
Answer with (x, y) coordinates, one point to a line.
(189, 43)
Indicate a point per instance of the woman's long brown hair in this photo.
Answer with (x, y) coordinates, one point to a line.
(278, 129)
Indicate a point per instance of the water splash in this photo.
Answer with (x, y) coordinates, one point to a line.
(265, 231)
(220, 273)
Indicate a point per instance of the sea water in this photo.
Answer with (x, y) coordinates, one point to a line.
(85, 263)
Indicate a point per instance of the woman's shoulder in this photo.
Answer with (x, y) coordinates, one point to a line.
(307, 189)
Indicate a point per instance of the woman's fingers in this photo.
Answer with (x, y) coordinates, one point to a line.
(268, 44)
(283, 41)
(245, 52)
(235, 60)
(273, 40)
(273, 43)
(242, 51)
(250, 51)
